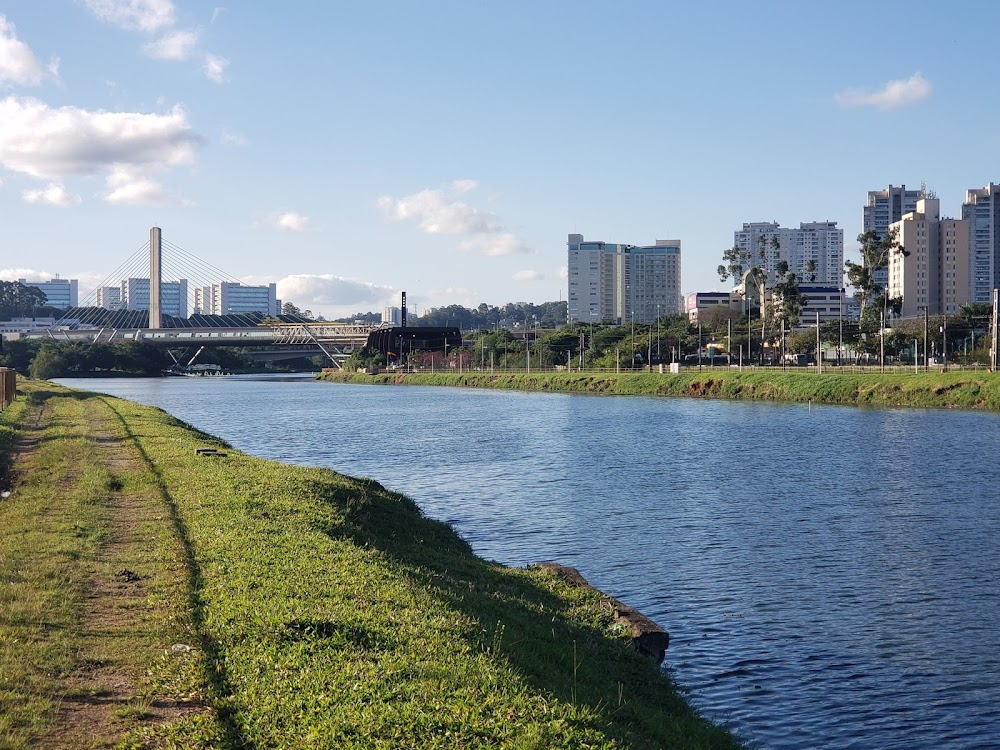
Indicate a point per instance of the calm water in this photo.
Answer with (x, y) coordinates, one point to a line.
(828, 575)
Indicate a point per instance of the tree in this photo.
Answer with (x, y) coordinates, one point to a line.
(876, 252)
(289, 309)
(787, 300)
(19, 300)
(748, 268)
(48, 363)
(810, 270)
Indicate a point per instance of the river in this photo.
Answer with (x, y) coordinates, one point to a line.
(828, 575)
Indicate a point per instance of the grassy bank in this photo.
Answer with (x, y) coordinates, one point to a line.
(274, 606)
(967, 390)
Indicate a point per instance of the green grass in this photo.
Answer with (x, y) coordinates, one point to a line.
(59, 544)
(324, 611)
(965, 390)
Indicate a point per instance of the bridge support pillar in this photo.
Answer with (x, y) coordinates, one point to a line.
(155, 278)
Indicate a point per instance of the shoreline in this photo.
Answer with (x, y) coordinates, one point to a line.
(952, 390)
(293, 588)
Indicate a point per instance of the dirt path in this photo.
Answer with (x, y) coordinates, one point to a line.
(130, 605)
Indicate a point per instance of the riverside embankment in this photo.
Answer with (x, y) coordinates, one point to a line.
(164, 589)
(965, 390)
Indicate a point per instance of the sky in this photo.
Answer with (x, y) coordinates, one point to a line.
(353, 150)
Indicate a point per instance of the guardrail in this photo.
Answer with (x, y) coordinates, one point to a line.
(8, 387)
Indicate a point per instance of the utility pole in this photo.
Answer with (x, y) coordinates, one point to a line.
(927, 356)
(881, 340)
(819, 348)
(993, 347)
(944, 344)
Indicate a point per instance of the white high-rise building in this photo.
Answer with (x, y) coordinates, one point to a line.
(392, 315)
(934, 275)
(819, 242)
(614, 283)
(982, 210)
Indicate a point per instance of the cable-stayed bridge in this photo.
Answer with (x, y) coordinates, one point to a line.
(148, 297)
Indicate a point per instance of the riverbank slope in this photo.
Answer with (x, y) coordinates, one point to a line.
(966, 390)
(166, 590)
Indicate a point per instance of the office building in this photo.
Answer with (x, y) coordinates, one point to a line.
(982, 210)
(61, 293)
(173, 296)
(618, 283)
(234, 298)
(109, 297)
(392, 316)
(934, 276)
(819, 243)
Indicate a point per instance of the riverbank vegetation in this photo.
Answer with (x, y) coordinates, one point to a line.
(965, 389)
(162, 597)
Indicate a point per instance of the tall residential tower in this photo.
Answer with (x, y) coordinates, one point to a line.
(982, 210)
(934, 275)
(614, 283)
(886, 207)
(818, 242)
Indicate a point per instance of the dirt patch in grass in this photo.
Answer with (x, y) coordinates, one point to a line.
(114, 611)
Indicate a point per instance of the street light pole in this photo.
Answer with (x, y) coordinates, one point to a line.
(927, 360)
(944, 344)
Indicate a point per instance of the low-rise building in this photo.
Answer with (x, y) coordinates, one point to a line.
(700, 303)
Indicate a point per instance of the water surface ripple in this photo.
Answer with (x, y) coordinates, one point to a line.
(828, 575)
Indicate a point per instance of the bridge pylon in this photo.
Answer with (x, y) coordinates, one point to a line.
(155, 278)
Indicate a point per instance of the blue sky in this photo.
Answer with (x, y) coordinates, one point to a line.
(352, 150)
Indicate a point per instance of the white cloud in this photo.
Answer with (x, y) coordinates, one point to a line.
(135, 15)
(435, 213)
(325, 290)
(894, 94)
(563, 272)
(54, 194)
(289, 221)
(464, 186)
(527, 275)
(129, 187)
(217, 13)
(230, 138)
(53, 143)
(504, 243)
(18, 65)
(155, 16)
(214, 68)
(30, 274)
(174, 45)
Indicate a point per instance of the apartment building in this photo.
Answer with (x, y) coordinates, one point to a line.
(883, 209)
(616, 283)
(982, 210)
(934, 275)
(820, 243)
